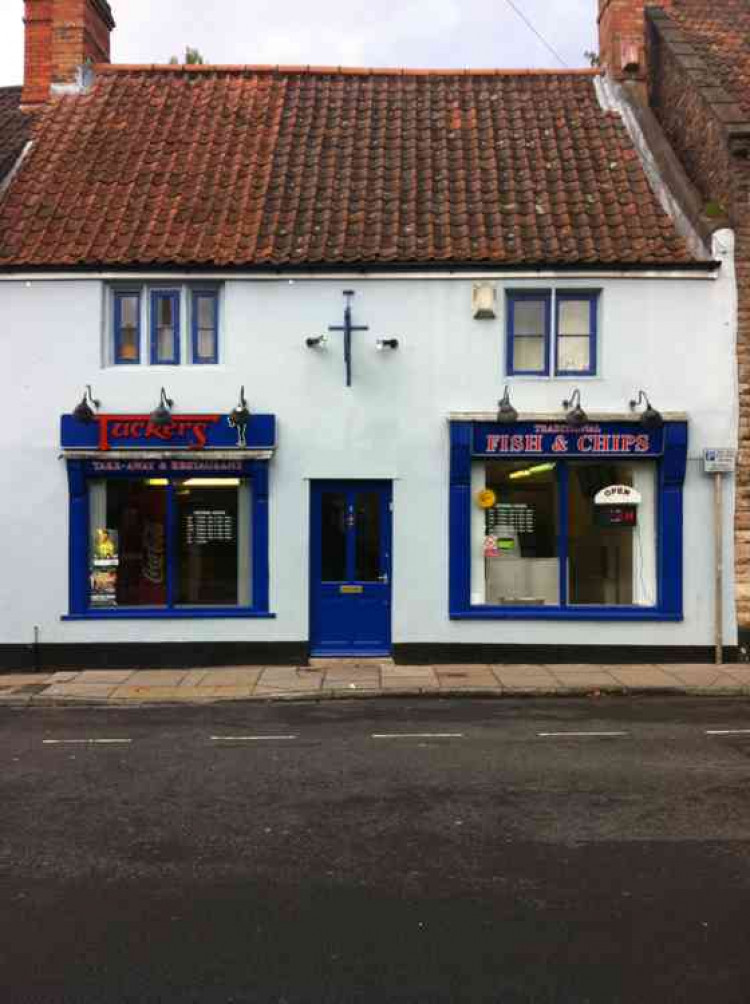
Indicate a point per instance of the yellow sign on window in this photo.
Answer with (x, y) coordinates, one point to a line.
(486, 499)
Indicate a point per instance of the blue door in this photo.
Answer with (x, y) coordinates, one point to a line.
(350, 574)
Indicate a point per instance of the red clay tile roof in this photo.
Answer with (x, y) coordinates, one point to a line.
(720, 31)
(250, 166)
(15, 128)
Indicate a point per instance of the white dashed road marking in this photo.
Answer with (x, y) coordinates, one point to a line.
(728, 732)
(247, 739)
(417, 735)
(86, 742)
(567, 735)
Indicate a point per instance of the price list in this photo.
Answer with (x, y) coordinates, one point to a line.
(507, 516)
(209, 526)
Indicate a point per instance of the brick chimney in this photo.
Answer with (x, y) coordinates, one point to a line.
(62, 35)
(622, 36)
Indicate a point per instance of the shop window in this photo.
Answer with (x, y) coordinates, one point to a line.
(547, 540)
(170, 545)
(541, 340)
(181, 325)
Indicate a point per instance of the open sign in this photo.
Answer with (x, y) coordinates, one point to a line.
(620, 495)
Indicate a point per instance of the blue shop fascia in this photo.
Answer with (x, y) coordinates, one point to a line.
(168, 514)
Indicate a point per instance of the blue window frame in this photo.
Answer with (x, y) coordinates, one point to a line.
(127, 327)
(575, 333)
(535, 346)
(165, 327)
(171, 602)
(205, 325)
(528, 333)
(671, 460)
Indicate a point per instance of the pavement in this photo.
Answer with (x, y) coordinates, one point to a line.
(324, 679)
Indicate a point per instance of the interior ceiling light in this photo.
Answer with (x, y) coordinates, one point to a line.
(531, 471)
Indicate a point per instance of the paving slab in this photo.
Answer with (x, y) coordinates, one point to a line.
(644, 679)
(739, 673)
(113, 676)
(485, 681)
(588, 679)
(22, 679)
(695, 675)
(194, 677)
(159, 677)
(231, 677)
(522, 676)
(78, 691)
(390, 672)
(411, 682)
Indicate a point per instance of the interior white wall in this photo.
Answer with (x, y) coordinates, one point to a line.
(672, 336)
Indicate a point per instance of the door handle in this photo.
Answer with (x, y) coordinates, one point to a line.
(384, 578)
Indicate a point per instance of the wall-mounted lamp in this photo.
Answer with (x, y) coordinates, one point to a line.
(484, 301)
(574, 413)
(318, 342)
(240, 415)
(650, 417)
(162, 414)
(83, 411)
(386, 343)
(506, 412)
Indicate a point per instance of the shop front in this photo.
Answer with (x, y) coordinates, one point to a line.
(168, 515)
(550, 521)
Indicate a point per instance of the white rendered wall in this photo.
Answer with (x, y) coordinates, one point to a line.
(672, 336)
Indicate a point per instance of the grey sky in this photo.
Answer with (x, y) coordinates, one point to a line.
(417, 33)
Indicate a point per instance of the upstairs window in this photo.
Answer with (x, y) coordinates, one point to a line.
(205, 326)
(576, 334)
(163, 326)
(127, 327)
(552, 333)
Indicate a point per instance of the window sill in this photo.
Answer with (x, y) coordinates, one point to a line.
(565, 614)
(194, 613)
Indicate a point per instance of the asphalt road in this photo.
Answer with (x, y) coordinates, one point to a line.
(377, 851)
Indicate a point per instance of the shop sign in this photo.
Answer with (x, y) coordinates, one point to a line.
(719, 461)
(183, 432)
(618, 495)
(556, 439)
(160, 468)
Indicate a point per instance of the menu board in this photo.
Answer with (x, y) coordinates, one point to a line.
(510, 516)
(209, 526)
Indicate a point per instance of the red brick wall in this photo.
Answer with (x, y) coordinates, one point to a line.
(694, 128)
(37, 51)
(622, 34)
(61, 35)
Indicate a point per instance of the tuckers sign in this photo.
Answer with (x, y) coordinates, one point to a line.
(182, 432)
(544, 439)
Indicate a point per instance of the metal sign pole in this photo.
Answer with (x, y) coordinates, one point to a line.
(719, 584)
